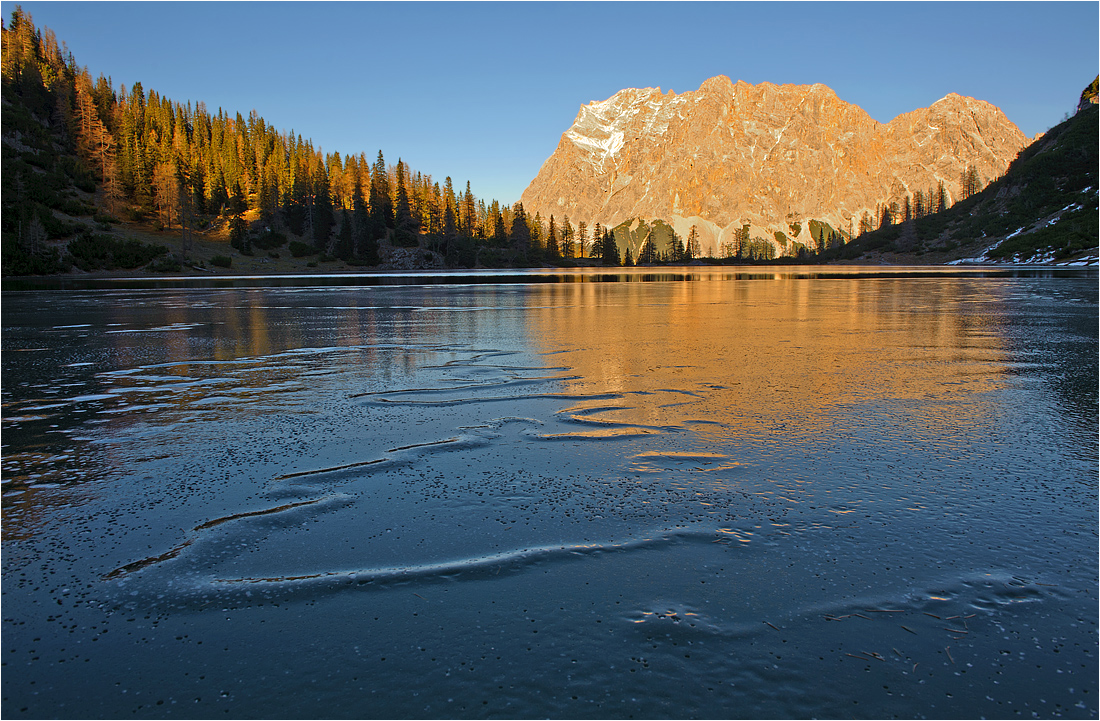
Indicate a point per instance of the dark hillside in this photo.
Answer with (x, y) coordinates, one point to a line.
(1044, 209)
(92, 172)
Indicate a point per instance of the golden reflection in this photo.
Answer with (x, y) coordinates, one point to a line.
(768, 358)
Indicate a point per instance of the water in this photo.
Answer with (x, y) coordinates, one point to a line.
(690, 494)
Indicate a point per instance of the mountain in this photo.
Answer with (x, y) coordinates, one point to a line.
(773, 157)
(1044, 209)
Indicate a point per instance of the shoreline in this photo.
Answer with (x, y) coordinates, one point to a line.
(327, 277)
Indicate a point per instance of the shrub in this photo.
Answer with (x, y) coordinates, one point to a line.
(299, 249)
(269, 240)
(72, 206)
(17, 260)
(405, 239)
(164, 265)
(93, 252)
(222, 261)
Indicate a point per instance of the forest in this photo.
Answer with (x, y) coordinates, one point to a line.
(81, 148)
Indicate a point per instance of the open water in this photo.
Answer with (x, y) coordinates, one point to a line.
(690, 493)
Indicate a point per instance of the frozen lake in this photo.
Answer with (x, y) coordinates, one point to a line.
(679, 493)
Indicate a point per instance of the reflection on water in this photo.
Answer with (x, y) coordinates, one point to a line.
(766, 358)
(765, 493)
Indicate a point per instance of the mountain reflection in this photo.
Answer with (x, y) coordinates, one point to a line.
(782, 357)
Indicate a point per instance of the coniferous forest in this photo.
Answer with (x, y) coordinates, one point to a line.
(82, 157)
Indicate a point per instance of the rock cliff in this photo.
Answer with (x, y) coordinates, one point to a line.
(773, 157)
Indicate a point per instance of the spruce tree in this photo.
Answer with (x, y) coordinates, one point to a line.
(406, 234)
(676, 249)
(450, 228)
(692, 251)
(535, 227)
(500, 233)
(552, 247)
(610, 250)
(865, 225)
(566, 238)
(469, 213)
(322, 210)
(345, 242)
(381, 205)
(520, 235)
(360, 219)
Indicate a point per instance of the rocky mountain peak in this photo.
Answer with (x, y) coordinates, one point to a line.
(772, 157)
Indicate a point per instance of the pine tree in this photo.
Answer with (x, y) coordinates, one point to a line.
(972, 184)
(552, 247)
(238, 230)
(363, 245)
(435, 211)
(582, 237)
(322, 210)
(268, 196)
(407, 230)
(345, 241)
(469, 213)
(692, 251)
(186, 209)
(865, 225)
(611, 250)
(381, 205)
(450, 227)
(166, 183)
(566, 238)
(535, 227)
(676, 249)
(520, 235)
(500, 233)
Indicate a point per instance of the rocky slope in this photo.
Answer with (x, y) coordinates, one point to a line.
(1043, 210)
(768, 156)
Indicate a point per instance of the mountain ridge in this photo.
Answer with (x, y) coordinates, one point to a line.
(1042, 210)
(768, 156)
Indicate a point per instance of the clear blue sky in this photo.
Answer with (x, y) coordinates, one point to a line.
(483, 91)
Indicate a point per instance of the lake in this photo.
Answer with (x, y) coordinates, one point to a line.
(738, 493)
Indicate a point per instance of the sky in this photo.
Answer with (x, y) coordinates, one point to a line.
(482, 92)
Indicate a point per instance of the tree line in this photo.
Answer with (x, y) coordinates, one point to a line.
(182, 166)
